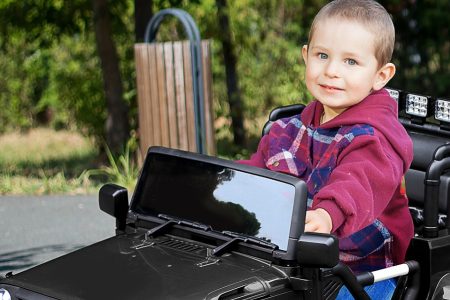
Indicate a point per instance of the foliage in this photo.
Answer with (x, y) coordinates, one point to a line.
(28, 32)
(422, 51)
(16, 88)
(122, 169)
(74, 92)
(50, 66)
(50, 57)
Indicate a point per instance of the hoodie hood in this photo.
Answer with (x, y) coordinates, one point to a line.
(378, 110)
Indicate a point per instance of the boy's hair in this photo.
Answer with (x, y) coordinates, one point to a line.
(367, 12)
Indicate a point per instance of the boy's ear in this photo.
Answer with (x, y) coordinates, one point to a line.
(305, 53)
(384, 74)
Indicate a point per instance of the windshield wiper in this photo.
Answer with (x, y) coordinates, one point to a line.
(170, 222)
(240, 237)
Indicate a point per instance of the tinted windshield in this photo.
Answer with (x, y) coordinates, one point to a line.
(224, 198)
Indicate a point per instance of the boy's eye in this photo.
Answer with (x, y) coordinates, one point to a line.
(351, 62)
(323, 56)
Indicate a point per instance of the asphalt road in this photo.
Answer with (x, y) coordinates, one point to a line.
(36, 229)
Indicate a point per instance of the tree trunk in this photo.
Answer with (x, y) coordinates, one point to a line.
(230, 61)
(142, 15)
(117, 123)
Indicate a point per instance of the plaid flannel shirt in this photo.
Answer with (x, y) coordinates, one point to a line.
(311, 154)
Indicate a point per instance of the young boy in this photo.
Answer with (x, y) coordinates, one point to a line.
(348, 145)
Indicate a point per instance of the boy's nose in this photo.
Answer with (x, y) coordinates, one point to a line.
(332, 69)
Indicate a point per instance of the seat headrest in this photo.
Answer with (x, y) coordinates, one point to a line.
(282, 112)
(424, 147)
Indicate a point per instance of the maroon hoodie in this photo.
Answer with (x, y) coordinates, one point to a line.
(365, 184)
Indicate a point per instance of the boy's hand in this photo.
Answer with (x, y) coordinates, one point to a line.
(318, 220)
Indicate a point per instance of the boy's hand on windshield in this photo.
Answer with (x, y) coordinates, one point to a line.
(318, 220)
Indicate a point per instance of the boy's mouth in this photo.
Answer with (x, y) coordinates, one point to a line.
(330, 87)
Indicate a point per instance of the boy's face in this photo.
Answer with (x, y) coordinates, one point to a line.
(341, 68)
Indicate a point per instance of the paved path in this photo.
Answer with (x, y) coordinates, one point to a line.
(36, 229)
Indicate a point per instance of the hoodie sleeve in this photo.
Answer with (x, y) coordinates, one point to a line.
(367, 175)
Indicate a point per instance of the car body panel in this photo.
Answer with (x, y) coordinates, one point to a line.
(160, 268)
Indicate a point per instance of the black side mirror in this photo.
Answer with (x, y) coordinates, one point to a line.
(113, 200)
(318, 250)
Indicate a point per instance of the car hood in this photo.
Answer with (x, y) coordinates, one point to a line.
(123, 267)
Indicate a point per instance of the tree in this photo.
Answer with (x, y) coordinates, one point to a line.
(232, 79)
(142, 15)
(117, 123)
(422, 46)
(27, 32)
(46, 44)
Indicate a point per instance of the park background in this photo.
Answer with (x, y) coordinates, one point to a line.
(68, 118)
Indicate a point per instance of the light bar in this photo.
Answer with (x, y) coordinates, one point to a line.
(442, 110)
(417, 105)
(395, 94)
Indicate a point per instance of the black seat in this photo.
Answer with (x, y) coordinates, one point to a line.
(282, 112)
(425, 144)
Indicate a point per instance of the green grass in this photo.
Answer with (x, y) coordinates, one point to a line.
(122, 169)
(44, 161)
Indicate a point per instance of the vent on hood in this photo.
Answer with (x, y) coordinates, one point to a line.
(180, 245)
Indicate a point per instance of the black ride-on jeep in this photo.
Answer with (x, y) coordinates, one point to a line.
(200, 227)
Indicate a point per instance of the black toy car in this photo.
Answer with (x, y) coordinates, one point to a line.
(200, 227)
